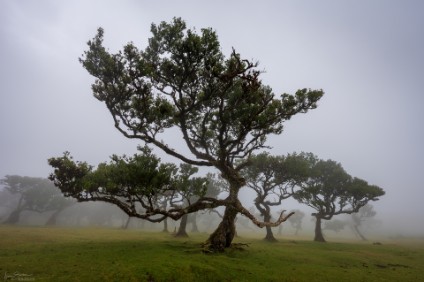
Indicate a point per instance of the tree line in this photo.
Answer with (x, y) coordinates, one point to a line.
(322, 185)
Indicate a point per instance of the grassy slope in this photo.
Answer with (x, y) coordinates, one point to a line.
(60, 254)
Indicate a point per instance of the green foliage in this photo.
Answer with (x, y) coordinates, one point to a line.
(138, 185)
(330, 190)
(335, 225)
(68, 173)
(276, 176)
(182, 79)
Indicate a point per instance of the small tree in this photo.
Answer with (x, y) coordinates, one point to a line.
(35, 195)
(296, 220)
(190, 187)
(364, 214)
(214, 188)
(221, 108)
(331, 191)
(274, 178)
(335, 225)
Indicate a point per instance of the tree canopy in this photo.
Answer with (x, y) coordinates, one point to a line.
(274, 178)
(331, 191)
(33, 194)
(183, 81)
(138, 185)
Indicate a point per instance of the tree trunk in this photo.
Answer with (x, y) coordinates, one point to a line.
(182, 229)
(269, 235)
(280, 229)
(13, 217)
(224, 234)
(194, 228)
(296, 232)
(318, 231)
(359, 232)
(53, 218)
(222, 237)
(165, 225)
(127, 223)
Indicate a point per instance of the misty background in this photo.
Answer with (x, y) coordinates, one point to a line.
(366, 55)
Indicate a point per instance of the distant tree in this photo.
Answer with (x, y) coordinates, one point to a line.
(127, 223)
(34, 195)
(296, 220)
(7, 203)
(214, 187)
(335, 225)
(190, 193)
(220, 107)
(331, 191)
(365, 213)
(58, 205)
(274, 178)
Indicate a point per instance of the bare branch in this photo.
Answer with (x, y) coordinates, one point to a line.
(262, 224)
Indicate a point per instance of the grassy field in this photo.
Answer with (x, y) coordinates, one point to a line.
(87, 254)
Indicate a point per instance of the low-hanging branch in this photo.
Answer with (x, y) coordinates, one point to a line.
(282, 218)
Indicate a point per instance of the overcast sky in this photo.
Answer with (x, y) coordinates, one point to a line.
(366, 55)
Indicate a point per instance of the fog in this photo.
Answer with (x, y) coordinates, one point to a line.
(366, 55)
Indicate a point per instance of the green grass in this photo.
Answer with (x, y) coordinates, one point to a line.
(87, 254)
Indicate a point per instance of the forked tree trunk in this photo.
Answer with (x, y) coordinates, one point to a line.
(182, 229)
(318, 231)
(53, 218)
(359, 232)
(265, 210)
(222, 237)
(224, 234)
(13, 217)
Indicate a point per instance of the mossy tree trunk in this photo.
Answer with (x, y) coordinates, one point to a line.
(223, 236)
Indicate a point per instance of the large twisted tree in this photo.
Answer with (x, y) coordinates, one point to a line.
(218, 105)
